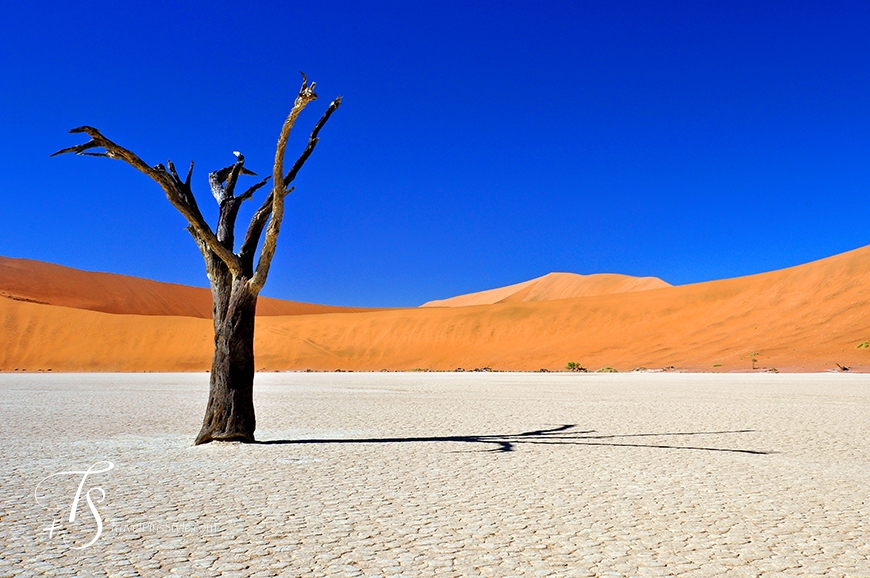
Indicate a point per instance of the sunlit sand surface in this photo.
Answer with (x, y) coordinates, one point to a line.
(810, 318)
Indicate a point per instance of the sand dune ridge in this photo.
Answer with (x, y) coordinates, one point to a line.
(806, 318)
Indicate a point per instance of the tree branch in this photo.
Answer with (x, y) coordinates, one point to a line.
(173, 172)
(203, 247)
(176, 192)
(250, 192)
(312, 142)
(223, 181)
(279, 191)
(252, 237)
(238, 169)
(255, 228)
(276, 206)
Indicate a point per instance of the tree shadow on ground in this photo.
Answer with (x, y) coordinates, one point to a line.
(562, 435)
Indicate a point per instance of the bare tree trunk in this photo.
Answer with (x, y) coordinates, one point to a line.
(229, 415)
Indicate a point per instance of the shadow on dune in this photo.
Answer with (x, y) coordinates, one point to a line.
(561, 435)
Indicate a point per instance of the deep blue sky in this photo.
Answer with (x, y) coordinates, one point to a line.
(479, 143)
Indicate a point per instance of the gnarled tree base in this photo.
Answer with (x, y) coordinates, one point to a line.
(229, 415)
(206, 437)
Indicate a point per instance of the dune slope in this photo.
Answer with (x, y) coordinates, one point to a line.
(37, 282)
(806, 318)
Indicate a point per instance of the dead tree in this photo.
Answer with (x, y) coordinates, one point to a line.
(235, 280)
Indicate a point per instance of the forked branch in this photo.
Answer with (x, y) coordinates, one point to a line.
(313, 139)
(178, 192)
(252, 237)
(223, 182)
(251, 190)
(274, 205)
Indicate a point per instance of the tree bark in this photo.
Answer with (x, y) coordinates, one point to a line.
(229, 415)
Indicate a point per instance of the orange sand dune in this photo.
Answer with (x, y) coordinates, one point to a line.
(806, 318)
(38, 282)
(554, 286)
